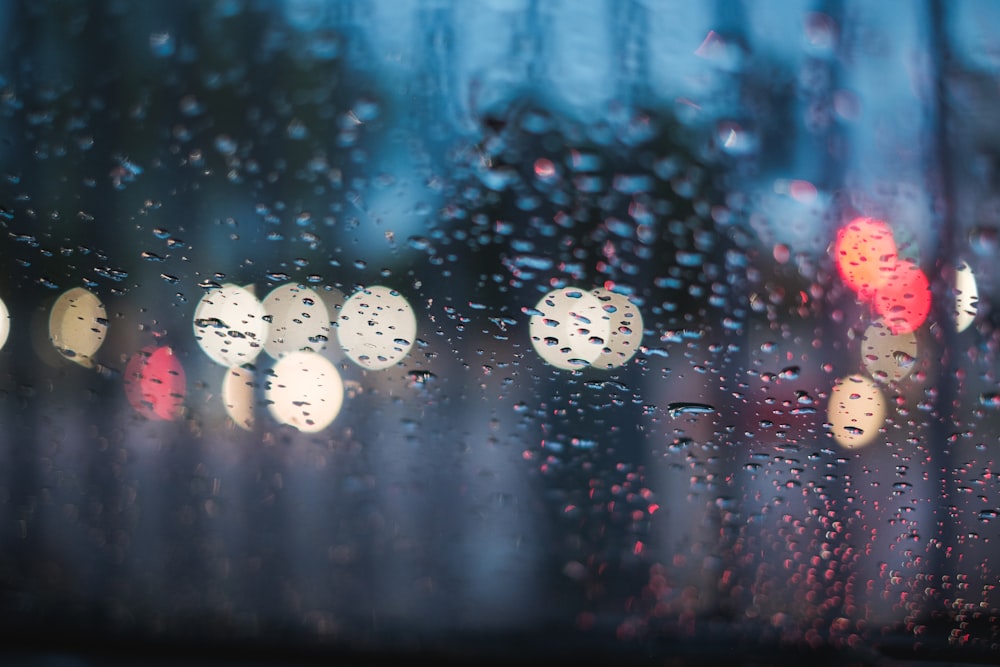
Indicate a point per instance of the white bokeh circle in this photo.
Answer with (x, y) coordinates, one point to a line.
(569, 328)
(230, 326)
(625, 329)
(298, 320)
(966, 297)
(376, 327)
(305, 391)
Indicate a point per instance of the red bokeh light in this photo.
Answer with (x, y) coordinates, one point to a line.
(904, 297)
(865, 252)
(867, 260)
(155, 384)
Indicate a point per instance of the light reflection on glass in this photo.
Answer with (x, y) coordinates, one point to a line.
(230, 326)
(305, 391)
(78, 325)
(376, 328)
(298, 320)
(856, 411)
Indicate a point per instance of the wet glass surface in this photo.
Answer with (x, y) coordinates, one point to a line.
(615, 331)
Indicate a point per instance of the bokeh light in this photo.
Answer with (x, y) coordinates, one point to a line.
(298, 320)
(856, 411)
(864, 249)
(626, 326)
(4, 323)
(376, 328)
(305, 391)
(888, 357)
(78, 325)
(155, 383)
(238, 396)
(230, 325)
(569, 329)
(966, 297)
(903, 298)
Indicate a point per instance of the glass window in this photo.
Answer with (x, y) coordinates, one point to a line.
(610, 330)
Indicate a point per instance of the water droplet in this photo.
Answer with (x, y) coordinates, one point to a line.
(903, 359)
(685, 408)
(161, 44)
(420, 378)
(679, 445)
(790, 373)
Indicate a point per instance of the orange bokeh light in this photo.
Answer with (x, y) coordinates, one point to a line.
(865, 252)
(155, 384)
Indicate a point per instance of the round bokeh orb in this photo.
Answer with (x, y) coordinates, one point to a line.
(305, 391)
(862, 250)
(569, 328)
(78, 325)
(298, 320)
(230, 325)
(626, 326)
(856, 411)
(376, 327)
(903, 298)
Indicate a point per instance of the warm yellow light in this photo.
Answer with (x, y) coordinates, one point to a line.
(856, 411)
(78, 325)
